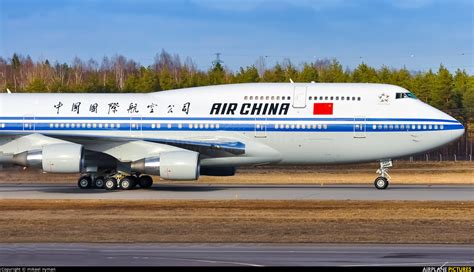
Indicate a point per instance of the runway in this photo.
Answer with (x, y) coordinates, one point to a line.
(251, 192)
(233, 255)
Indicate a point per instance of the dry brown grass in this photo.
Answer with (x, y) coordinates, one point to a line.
(236, 221)
(402, 173)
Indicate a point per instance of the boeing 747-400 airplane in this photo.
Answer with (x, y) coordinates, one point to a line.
(118, 140)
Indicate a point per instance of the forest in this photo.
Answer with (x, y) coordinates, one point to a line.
(447, 91)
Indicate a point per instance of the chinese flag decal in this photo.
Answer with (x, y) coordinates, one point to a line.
(322, 108)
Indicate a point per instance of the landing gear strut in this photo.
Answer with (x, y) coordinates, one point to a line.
(114, 181)
(382, 181)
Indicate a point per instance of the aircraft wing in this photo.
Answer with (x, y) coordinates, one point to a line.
(126, 149)
(209, 147)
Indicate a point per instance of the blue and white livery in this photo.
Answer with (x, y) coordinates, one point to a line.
(117, 140)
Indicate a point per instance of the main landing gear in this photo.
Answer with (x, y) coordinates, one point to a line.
(381, 182)
(112, 182)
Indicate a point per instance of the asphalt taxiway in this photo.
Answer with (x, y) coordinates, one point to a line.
(234, 255)
(253, 192)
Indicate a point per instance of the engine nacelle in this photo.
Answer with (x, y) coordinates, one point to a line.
(54, 158)
(175, 165)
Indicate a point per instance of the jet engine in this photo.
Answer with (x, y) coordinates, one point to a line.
(54, 158)
(174, 165)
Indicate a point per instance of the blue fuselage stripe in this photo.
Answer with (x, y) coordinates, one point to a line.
(223, 119)
(138, 127)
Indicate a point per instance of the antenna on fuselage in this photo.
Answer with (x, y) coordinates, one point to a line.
(8, 91)
(291, 81)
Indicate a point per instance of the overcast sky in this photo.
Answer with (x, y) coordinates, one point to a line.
(419, 34)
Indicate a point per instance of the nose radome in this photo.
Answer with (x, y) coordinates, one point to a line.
(458, 131)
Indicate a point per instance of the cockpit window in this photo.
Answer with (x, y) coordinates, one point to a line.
(411, 95)
(405, 95)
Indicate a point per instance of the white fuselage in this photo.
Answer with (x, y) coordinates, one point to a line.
(275, 122)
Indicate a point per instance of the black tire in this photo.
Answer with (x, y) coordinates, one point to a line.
(99, 182)
(381, 183)
(110, 183)
(145, 182)
(127, 183)
(84, 182)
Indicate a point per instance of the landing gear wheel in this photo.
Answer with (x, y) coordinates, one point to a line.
(99, 182)
(145, 182)
(110, 183)
(127, 183)
(84, 182)
(381, 183)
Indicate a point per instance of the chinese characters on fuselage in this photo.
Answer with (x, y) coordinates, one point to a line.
(114, 107)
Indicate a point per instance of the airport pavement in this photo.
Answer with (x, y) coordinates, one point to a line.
(234, 255)
(253, 192)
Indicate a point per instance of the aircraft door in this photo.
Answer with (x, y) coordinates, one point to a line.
(29, 123)
(299, 97)
(136, 126)
(360, 127)
(261, 128)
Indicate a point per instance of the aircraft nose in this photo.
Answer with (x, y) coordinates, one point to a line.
(458, 130)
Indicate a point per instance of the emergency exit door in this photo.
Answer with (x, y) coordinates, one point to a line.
(360, 127)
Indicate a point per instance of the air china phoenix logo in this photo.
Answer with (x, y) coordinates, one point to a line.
(384, 98)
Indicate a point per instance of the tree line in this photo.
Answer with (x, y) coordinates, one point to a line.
(452, 93)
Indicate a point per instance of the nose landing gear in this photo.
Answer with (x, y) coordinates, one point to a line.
(382, 181)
